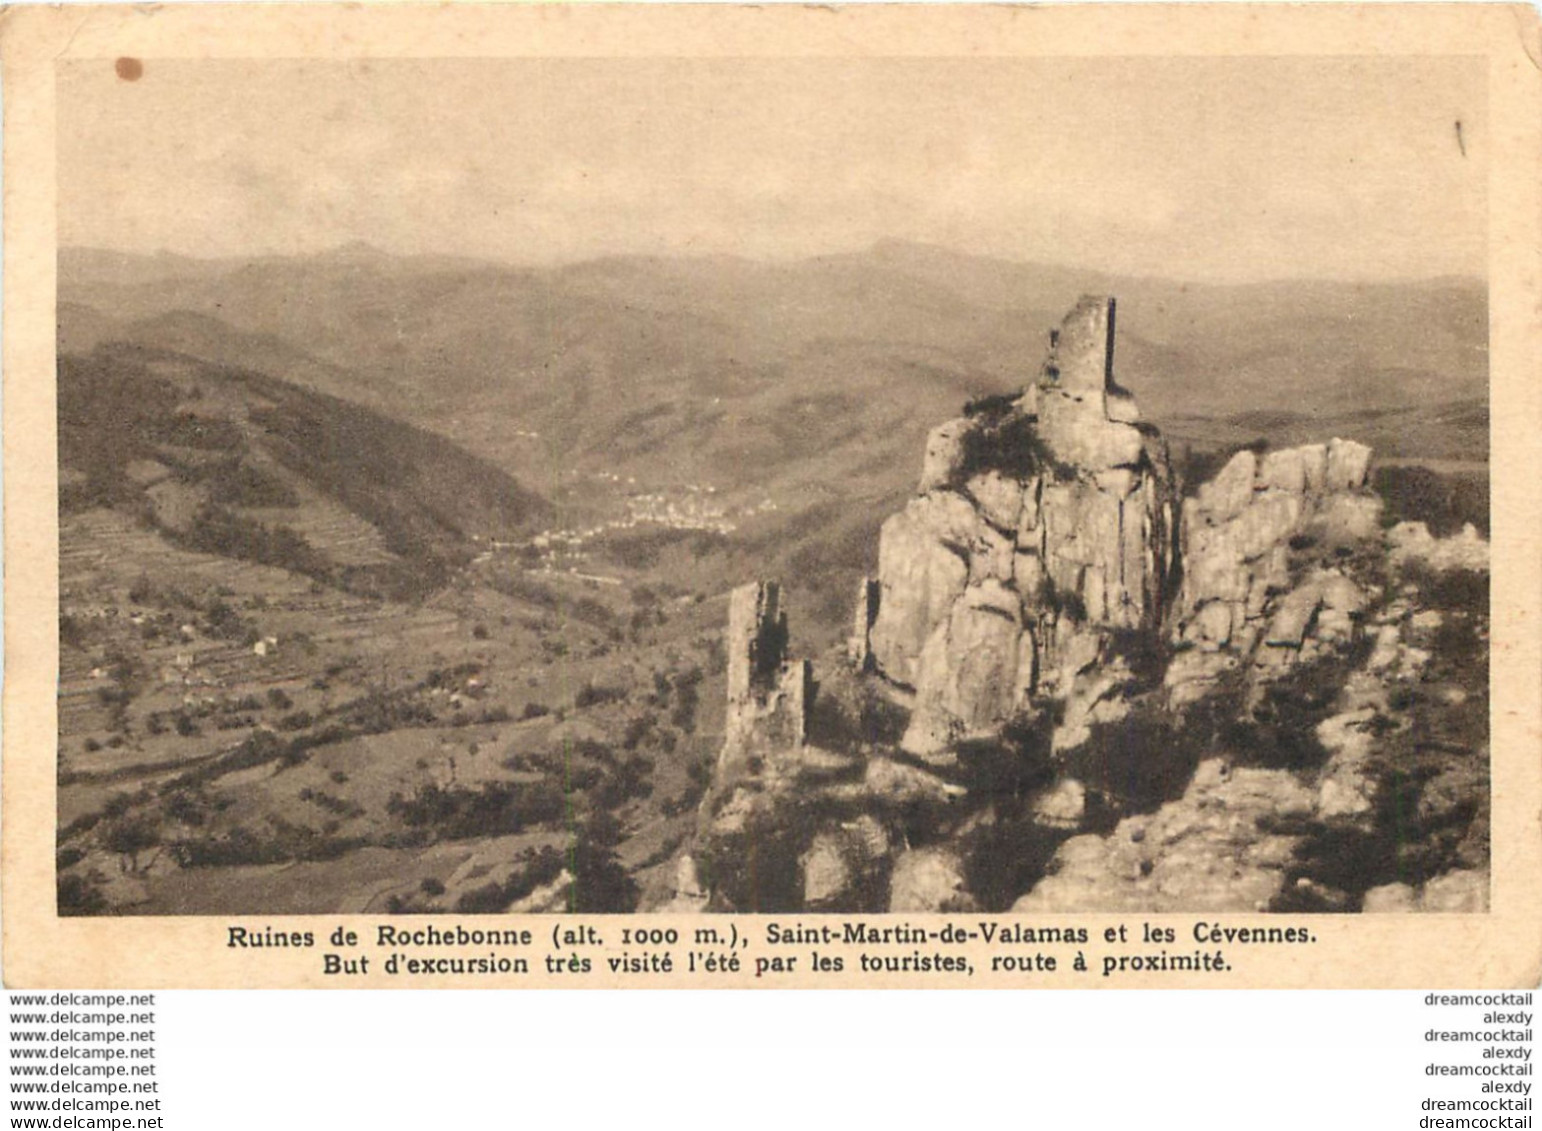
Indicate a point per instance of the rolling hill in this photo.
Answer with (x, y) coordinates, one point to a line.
(237, 462)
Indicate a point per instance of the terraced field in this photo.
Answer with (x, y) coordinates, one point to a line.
(281, 744)
(349, 540)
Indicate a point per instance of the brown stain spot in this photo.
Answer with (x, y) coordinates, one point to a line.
(129, 68)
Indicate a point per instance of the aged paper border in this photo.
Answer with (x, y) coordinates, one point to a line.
(1502, 948)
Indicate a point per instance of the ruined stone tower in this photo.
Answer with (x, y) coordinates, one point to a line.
(1040, 526)
(1081, 351)
(769, 694)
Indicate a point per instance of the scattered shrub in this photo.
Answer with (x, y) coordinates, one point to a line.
(281, 843)
(1009, 444)
(77, 895)
(1463, 590)
(593, 695)
(1443, 502)
(1139, 762)
(755, 869)
(257, 748)
(299, 720)
(494, 809)
(1006, 857)
(601, 884)
(1013, 763)
(129, 836)
(538, 869)
(184, 807)
(991, 406)
(1281, 730)
(687, 686)
(637, 730)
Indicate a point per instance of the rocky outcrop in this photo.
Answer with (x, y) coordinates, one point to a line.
(1042, 525)
(685, 895)
(1456, 891)
(550, 897)
(1413, 542)
(1025, 669)
(841, 859)
(923, 568)
(1248, 599)
(1214, 849)
(1376, 755)
(929, 879)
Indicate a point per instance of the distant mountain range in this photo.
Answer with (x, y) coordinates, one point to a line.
(810, 382)
(907, 321)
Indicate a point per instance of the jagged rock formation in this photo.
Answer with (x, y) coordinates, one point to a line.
(1245, 599)
(1094, 699)
(1393, 777)
(789, 823)
(1042, 524)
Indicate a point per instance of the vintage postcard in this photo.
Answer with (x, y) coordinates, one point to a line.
(715, 496)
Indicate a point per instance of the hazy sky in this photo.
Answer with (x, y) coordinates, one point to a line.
(1212, 169)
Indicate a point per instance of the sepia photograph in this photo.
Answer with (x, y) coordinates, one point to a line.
(1034, 485)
